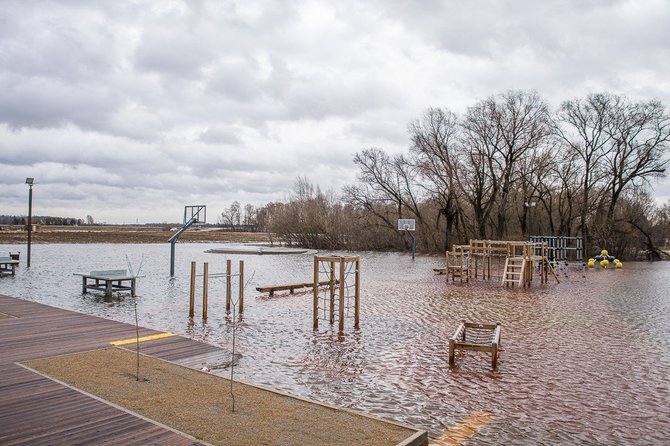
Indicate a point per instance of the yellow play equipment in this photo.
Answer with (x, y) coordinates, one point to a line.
(604, 260)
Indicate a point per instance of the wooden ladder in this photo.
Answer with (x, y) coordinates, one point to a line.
(514, 271)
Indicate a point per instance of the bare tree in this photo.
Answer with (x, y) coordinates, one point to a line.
(502, 170)
(563, 190)
(230, 216)
(498, 133)
(640, 136)
(620, 146)
(435, 146)
(583, 126)
(393, 181)
(534, 193)
(379, 173)
(250, 215)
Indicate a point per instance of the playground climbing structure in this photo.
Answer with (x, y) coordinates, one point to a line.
(337, 290)
(516, 261)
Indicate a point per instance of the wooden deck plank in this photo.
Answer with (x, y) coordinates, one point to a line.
(35, 410)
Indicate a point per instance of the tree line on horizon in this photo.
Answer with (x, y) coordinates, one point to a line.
(16, 220)
(507, 168)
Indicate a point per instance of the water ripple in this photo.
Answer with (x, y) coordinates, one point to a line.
(586, 361)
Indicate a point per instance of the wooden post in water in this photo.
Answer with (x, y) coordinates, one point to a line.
(342, 291)
(241, 286)
(205, 283)
(332, 291)
(228, 283)
(489, 262)
(191, 306)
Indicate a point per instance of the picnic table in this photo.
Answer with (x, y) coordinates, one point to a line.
(108, 281)
(8, 265)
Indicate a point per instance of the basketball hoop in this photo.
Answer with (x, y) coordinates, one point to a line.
(406, 224)
(197, 212)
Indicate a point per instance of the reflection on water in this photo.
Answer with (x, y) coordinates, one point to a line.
(583, 362)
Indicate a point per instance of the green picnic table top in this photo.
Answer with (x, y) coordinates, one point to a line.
(112, 274)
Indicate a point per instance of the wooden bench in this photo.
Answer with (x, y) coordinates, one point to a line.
(291, 287)
(8, 265)
(108, 281)
(476, 337)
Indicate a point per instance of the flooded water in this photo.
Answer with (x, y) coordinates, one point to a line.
(586, 361)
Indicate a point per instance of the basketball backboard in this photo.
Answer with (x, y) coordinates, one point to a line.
(406, 224)
(199, 211)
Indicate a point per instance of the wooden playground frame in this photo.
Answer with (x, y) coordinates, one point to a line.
(335, 268)
(206, 275)
(521, 259)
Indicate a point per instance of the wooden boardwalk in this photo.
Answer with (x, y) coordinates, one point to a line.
(35, 410)
(38, 411)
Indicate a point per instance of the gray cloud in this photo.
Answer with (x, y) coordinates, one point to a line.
(219, 135)
(129, 110)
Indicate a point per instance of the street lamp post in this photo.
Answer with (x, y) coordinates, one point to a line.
(29, 182)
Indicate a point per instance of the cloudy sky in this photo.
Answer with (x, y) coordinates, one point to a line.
(129, 110)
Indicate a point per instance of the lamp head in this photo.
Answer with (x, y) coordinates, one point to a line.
(30, 181)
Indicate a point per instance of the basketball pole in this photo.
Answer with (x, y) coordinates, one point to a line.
(413, 241)
(194, 218)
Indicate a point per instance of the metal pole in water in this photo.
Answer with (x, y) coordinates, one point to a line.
(172, 246)
(228, 283)
(29, 181)
(205, 284)
(413, 242)
(315, 290)
(241, 295)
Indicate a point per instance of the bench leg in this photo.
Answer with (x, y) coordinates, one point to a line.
(451, 352)
(494, 356)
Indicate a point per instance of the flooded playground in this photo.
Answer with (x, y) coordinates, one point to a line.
(586, 361)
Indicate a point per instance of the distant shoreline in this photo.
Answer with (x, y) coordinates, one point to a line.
(12, 235)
